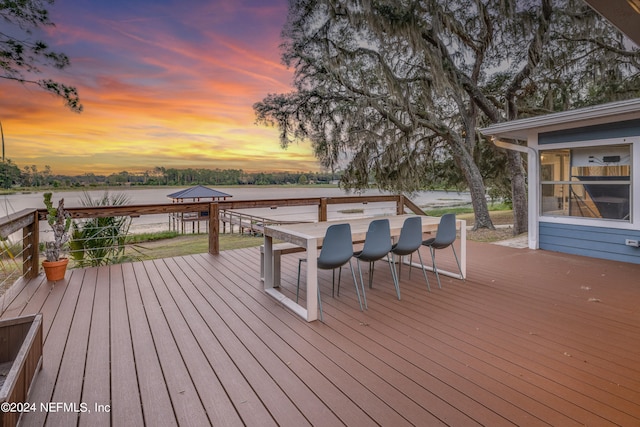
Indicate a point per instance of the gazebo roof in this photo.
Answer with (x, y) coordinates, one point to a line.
(198, 192)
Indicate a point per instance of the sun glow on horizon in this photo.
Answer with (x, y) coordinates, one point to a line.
(167, 88)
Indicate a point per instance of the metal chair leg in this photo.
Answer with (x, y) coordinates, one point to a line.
(435, 268)
(355, 283)
(394, 276)
(361, 282)
(333, 282)
(424, 272)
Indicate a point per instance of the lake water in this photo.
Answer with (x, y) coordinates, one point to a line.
(144, 195)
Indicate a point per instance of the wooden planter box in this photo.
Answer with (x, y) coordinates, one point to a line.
(20, 361)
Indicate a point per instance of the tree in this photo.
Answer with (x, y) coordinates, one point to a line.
(397, 88)
(21, 57)
(9, 174)
(366, 86)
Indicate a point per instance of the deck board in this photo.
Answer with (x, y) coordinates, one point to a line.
(240, 394)
(212, 394)
(154, 395)
(287, 341)
(372, 403)
(57, 315)
(182, 391)
(530, 338)
(98, 368)
(353, 366)
(125, 401)
(74, 358)
(283, 393)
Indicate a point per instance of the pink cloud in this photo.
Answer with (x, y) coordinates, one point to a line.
(175, 83)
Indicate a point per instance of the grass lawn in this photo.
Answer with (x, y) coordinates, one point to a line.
(188, 244)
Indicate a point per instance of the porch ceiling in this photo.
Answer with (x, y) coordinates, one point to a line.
(621, 14)
(605, 113)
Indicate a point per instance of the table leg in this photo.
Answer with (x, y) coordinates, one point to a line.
(268, 262)
(463, 248)
(312, 280)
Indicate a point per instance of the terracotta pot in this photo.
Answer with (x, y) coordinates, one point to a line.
(55, 269)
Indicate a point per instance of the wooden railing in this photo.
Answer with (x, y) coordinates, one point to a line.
(28, 220)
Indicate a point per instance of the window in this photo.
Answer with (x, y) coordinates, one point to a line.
(589, 182)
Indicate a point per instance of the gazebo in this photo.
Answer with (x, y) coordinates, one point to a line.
(199, 193)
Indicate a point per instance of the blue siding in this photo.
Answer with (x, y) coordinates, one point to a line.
(596, 242)
(590, 133)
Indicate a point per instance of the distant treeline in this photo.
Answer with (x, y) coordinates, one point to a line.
(29, 176)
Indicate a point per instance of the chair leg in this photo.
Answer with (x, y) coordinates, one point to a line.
(424, 271)
(355, 283)
(457, 262)
(371, 267)
(435, 269)
(333, 282)
(394, 276)
(360, 273)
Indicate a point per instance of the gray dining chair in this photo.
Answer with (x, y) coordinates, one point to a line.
(445, 236)
(337, 250)
(377, 244)
(410, 241)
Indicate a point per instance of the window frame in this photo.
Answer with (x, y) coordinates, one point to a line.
(566, 185)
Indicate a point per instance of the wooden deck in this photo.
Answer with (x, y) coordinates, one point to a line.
(531, 338)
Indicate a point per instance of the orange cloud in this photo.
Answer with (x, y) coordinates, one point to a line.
(168, 86)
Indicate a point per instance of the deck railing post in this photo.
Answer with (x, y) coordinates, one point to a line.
(400, 205)
(322, 210)
(30, 248)
(214, 228)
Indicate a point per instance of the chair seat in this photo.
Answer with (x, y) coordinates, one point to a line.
(397, 251)
(369, 257)
(432, 242)
(328, 265)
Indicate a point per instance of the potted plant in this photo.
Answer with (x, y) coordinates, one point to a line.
(55, 266)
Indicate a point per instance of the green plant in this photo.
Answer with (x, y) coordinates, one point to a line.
(100, 241)
(60, 222)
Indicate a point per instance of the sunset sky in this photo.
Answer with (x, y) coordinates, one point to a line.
(163, 83)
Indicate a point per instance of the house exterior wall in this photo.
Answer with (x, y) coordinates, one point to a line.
(594, 237)
(596, 242)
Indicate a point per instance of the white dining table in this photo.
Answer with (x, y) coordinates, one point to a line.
(310, 236)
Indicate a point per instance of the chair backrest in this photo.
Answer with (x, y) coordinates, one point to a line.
(446, 234)
(377, 243)
(337, 247)
(410, 235)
